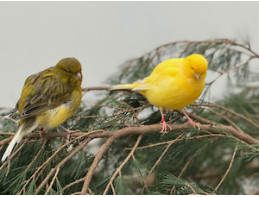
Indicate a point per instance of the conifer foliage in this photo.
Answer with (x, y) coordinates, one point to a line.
(131, 156)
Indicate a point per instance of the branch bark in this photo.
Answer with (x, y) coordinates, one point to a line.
(94, 164)
(144, 129)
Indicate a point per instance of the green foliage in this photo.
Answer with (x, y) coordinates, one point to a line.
(185, 161)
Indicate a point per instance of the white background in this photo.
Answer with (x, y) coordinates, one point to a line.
(102, 35)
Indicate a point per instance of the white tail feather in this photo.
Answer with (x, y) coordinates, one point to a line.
(16, 139)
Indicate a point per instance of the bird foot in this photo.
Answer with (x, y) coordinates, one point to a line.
(191, 121)
(41, 133)
(69, 133)
(164, 127)
(195, 124)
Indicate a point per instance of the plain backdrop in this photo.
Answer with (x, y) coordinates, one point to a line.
(103, 35)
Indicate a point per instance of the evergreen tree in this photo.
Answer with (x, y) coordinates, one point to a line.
(132, 157)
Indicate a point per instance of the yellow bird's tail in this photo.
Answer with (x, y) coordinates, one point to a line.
(126, 86)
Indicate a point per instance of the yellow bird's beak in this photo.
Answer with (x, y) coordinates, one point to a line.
(196, 76)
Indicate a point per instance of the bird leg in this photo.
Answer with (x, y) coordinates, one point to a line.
(165, 125)
(191, 121)
(41, 132)
(69, 132)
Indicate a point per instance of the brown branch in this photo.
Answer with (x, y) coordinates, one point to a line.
(178, 140)
(113, 189)
(9, 159)
(73, 183)
(51, 183)
(122, 164)
(230, 111)
(8, 118)
(159, 159)
(36, 157)
(194, 192)
(58, 166)
(181, 173)
(112, 135)
(227, 119)
(229, 167)
(232, 68)
(144, 129)
(94, 164)
(50, 158)
(200, 119)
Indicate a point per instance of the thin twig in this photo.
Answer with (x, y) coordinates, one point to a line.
(71, 154)
(159, 159)
(230, 111)
(178, 140)
(122, 164)
(51, 183)
(4, 164)
(50, 158)
(8, 118)
(73, 183)
(143, 129)
(229, 167)
(94, 164)
(113, 189)
(35, 158)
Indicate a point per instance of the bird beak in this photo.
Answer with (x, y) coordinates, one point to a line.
(79, 75)
(196, 76)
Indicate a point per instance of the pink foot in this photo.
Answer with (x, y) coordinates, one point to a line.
(69, 133)
(165, 125)
(164, 128)
(194, 124)
(41, 132)
(191, 121)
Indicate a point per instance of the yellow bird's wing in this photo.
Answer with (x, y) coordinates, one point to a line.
(164, 72)
(41, 92)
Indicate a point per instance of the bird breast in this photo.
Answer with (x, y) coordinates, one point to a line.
(175, 93)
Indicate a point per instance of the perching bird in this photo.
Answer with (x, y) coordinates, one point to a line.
(173, 85)
(48, 98)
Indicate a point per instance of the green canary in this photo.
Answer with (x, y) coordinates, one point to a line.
(48, 98)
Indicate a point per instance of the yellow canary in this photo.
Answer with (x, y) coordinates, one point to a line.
(173, 84)
(48, 98)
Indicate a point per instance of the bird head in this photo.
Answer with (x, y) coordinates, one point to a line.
(196, 66)
(69, 70)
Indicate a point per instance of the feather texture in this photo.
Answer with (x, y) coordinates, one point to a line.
(48, 98)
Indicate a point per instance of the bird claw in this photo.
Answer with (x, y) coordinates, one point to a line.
(164, 127)
(194, 124)
(41, 133)
(69, 133)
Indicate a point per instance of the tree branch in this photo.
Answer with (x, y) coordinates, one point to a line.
(144, 129)
(94, 164)
(122, 164)
(229, 167)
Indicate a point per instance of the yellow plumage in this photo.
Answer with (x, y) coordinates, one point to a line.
(48, 98)
(173, 84)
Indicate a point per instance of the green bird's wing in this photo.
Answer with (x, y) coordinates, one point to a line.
(41, 92)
